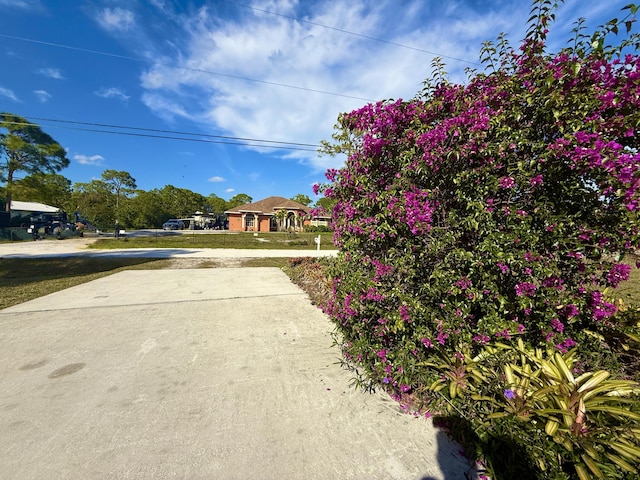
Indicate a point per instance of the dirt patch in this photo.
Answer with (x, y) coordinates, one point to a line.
(312, 276)
(179, 263)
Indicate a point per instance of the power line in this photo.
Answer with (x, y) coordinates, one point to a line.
(174, 132)
(228, 141)
(366, 37)
(200, 70)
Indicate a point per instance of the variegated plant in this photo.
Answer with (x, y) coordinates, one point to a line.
(593, 420)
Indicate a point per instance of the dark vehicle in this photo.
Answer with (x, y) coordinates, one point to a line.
(173, 224)
(46, 224)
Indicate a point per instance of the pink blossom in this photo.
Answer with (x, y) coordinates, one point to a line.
(557, 325)
(507, 182)
(618, 273)
(525, 289)
(463, 283)
(570, 311)
(537, 180)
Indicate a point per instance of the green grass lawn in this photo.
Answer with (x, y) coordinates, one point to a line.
(23, 279)
(245, 240)
(629, 291)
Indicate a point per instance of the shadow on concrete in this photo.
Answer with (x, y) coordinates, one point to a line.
(149, 254)
(507, 458)
(450, 456)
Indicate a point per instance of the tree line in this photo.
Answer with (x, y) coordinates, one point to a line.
(25, 148)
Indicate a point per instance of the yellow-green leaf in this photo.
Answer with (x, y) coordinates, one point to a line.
(593, 466)
(551, 427)
(630, 451)
(617, 411)
(620, 462)
(562, 366)
(597, 378)
(582, 472)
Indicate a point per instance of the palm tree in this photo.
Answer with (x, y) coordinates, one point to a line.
(280, 215)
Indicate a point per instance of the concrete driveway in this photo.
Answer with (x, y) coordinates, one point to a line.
(195, 374)
(77, 247)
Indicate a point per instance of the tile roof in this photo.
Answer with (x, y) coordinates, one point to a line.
(269, 206)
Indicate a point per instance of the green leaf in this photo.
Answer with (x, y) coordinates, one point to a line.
(616, 411)
(593, 466)
(621, 463)
(629, 451)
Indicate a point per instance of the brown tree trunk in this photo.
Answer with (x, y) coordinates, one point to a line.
(7, 207)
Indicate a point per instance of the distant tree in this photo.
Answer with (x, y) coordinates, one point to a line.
(216, 203)
(145, 210)
(326, 204)
(25, 147)
(95, 201)
(48, 188)
(180, 202)
(301, 198)
(120, 182)
(239, 199)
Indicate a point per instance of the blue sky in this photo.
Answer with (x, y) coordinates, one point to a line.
(267, 70)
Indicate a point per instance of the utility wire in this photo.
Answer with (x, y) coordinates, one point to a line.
(367, 37)
(174, 132)
(200, 70)
(186, 139)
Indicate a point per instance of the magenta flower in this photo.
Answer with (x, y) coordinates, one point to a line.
(566, 345)
(557, 325)
(571, 310)
(537, 180)
(463, 283)
(618, 273)
(427, 343)
(503, 268)
(507, 182)
(525, 289)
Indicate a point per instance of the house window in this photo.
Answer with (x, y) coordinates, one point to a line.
(249, 220)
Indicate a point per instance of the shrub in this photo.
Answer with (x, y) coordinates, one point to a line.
(492, 212)
(317, 228)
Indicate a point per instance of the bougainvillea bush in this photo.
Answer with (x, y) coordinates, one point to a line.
(502, 212)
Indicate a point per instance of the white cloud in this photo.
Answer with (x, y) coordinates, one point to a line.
(278, 50)
(5, 92)
(113, 92)
(26, 4)
(216, 179)
(54, 73)
(116, 19)
(230, 190)
(164, 107)
(214, 83)
(42, 95)
(89, 160)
